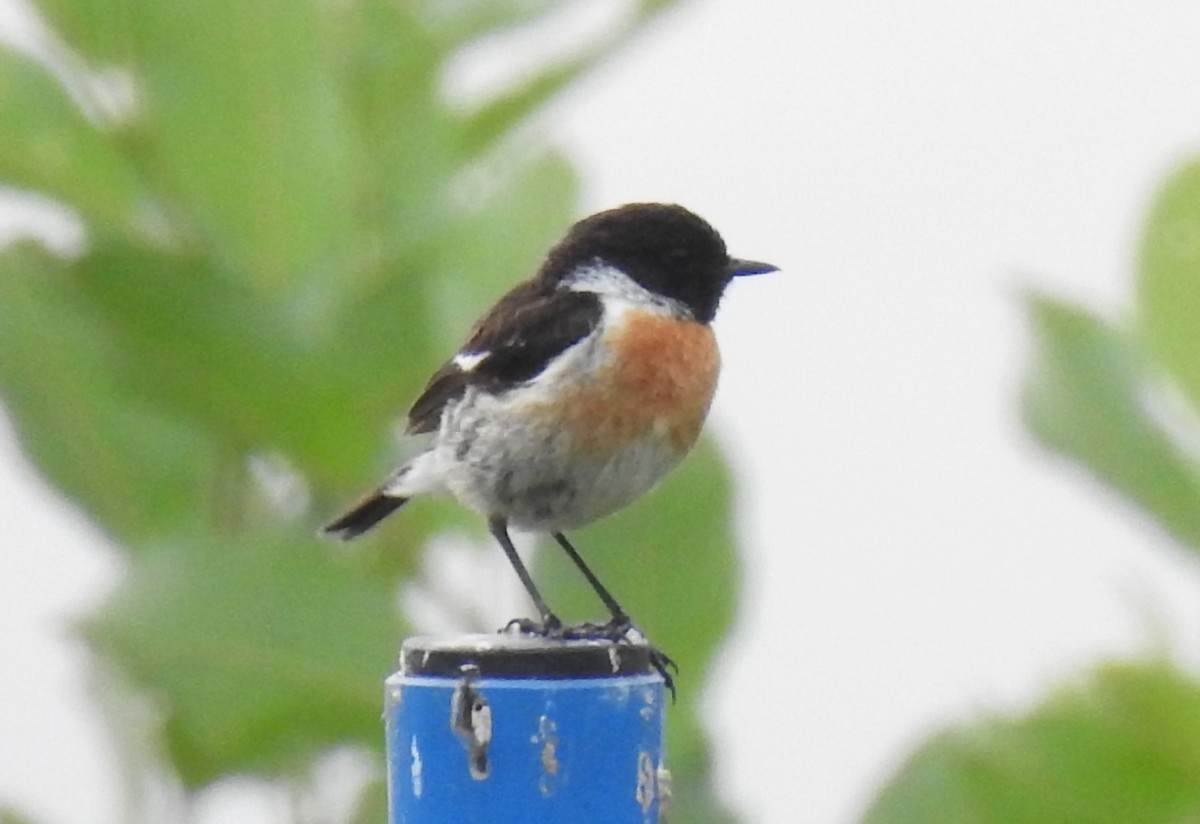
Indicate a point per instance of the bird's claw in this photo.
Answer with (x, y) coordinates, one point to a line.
(616, 631)
(548, 627)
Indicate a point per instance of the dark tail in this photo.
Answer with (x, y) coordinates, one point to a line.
(364, 515)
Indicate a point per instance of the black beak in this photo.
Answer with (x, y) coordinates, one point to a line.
(738, 267)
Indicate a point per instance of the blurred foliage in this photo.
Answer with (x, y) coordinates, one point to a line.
(1123, 401)
(289, 224)
(1121, 748)
(8, 816)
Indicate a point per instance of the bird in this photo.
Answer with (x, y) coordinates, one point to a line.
(575, 394)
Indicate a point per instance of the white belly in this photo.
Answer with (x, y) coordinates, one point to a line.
(530, 472)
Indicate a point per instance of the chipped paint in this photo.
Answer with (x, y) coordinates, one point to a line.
(664, 791)
(648, 711)
(471, 720)
(647, 782)
(547, 739)
(618, 695)
(394, 694)
(416, 768)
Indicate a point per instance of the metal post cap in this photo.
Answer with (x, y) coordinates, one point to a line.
(509, 655)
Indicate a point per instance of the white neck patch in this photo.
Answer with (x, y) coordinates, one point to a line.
(613, 284)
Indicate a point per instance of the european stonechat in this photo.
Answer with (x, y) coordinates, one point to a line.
(577, 392)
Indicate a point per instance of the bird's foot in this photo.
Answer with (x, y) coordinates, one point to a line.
(666, 668)
(549, 627)
(619, 630)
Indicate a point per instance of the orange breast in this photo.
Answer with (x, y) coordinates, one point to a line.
(660, 383)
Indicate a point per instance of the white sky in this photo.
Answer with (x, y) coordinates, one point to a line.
(911, 557)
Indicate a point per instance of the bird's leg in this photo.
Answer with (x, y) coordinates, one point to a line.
(620, 623)
(550, 625)
(618, 627)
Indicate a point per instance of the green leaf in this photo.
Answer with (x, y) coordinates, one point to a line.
(497, 118)
(483, 128)
(48, 145)
(213, 351)
(670, 560)
(1169, 280)
(1123, 747)
(261, 649)
(390, 68)
(248, 127)
(99, 29)
(456, 22)
(1088, 396)
(517, 212)
(138, 473)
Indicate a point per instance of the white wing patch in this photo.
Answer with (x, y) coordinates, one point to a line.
(468, 361)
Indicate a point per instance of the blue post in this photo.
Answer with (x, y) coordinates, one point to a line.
(505, 728)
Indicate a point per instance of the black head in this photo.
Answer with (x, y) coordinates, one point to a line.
(664, 248)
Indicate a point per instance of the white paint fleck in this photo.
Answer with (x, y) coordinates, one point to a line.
(647, 780)
(664, 790)
(481, 723)
(416, 768)
(547, 738)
